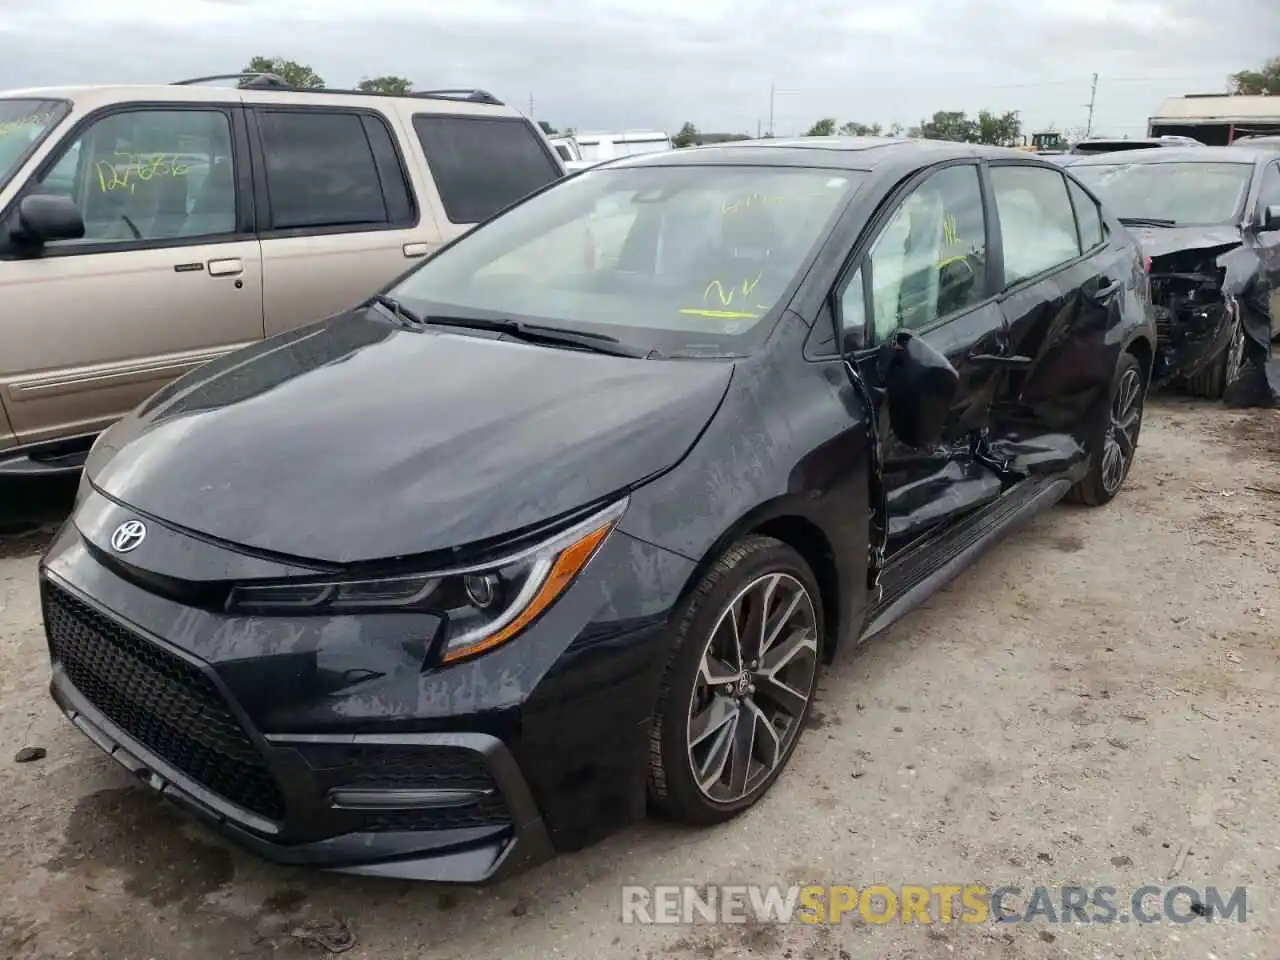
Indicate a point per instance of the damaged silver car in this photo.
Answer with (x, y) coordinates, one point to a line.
(1208, 219)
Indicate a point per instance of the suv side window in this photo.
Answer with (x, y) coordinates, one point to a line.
(930, 259)
(1088, 216)
(1036, 220)
(148, 175)
(1269, 190)
(482, 164)
(328, 170)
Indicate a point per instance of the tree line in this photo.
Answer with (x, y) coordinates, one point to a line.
(1004, 129)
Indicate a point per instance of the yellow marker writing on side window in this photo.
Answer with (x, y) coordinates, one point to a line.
(127, 170)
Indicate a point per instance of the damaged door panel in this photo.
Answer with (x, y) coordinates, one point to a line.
(1063, 300)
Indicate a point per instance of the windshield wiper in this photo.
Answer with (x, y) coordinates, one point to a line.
(551, 336)
(1147, 222)
(397, 309)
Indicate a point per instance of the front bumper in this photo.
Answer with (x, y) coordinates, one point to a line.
(325, 743)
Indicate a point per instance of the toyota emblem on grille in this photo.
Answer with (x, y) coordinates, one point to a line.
(128, 536)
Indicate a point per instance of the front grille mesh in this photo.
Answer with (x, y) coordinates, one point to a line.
(160, 700)
(435, 767)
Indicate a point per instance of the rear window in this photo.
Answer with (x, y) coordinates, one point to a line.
(483, 164)
(23, 125)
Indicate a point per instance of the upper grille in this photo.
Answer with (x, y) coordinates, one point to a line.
(160, 700)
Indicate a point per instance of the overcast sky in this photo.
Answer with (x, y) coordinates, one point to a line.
(611, 64)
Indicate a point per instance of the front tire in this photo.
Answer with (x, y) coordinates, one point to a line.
(739, 685)
(1212, 382)
(1116, 442)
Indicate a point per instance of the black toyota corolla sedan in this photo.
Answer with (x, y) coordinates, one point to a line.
(563, 525)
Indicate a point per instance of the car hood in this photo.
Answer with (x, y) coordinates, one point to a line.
(1159, 241)
(355, 440)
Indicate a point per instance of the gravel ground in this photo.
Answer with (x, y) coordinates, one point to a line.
(1091, 704)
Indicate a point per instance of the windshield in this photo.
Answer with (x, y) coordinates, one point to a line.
(23, 124)
(681, 259)
(1187, 192)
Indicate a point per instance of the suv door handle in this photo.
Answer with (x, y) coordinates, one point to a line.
(1009, 362)
(1107, 292)
(414, 250)
(230, 267)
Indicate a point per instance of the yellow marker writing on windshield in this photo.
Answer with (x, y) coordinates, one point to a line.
(726, 297)
(719, 314)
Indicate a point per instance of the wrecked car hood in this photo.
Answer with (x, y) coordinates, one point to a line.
(1158, 241)
(357, 440)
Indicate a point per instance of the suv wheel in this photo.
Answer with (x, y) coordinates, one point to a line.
(1116, 443)
(739, 685)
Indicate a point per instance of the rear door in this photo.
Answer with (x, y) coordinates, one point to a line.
(481, 164)
(167, 276)
(928, 272)
(337, 215)
(1269, 242)
(1062, 288)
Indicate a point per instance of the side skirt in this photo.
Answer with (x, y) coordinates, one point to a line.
(919, 572)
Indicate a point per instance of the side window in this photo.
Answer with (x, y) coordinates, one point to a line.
(853, 307)
(1269, 190)
(321, 170)
(1036, 220)
(1088, 216)
(482, 164)
(149, 175)
(930, 260)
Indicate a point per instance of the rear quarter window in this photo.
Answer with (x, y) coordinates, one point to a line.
(482, 164)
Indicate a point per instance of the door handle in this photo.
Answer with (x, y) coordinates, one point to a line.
(1107, 292)
(1007, 361)
(415, 250)
(233, 266)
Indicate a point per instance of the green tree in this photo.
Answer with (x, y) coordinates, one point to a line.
(687, 136)
(548, 129)
(396, 86)
(949, 125)
(297, 75)
(1255, 82)
(895, 130)
(855, 129)
(1004, 130)
(826, 127)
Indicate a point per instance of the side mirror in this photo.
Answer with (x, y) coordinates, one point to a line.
(1270, 218)
(42, 219)
(921, 387)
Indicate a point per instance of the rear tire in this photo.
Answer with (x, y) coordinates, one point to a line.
(728, 718)
(1115, 443)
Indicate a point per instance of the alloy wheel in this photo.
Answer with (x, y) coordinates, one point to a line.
(1121, 440)
(753, 686)
(1235, 356)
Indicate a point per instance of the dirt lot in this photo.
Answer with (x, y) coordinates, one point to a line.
(1098, 695)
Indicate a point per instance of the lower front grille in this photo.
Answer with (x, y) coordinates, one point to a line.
(162, 701)
(426, 767)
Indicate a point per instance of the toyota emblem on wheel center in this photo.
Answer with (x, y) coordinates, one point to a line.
(128, 535)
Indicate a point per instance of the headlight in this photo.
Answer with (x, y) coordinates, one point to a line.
(483, 605)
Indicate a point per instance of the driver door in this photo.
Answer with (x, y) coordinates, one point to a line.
(927, 273)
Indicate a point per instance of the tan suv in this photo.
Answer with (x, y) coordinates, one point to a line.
(147, 230)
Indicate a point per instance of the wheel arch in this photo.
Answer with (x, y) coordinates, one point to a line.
(1144, 351)
(791, 520)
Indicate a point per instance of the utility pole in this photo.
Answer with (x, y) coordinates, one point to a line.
(757, 129)
(771, 92)
(531, 106)
(1093, 98)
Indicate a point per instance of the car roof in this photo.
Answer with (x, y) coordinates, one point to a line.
(839, 153)
(1239, 155)
(90, 97)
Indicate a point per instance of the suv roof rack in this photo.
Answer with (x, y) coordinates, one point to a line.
(253, 81)
(271, 81)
